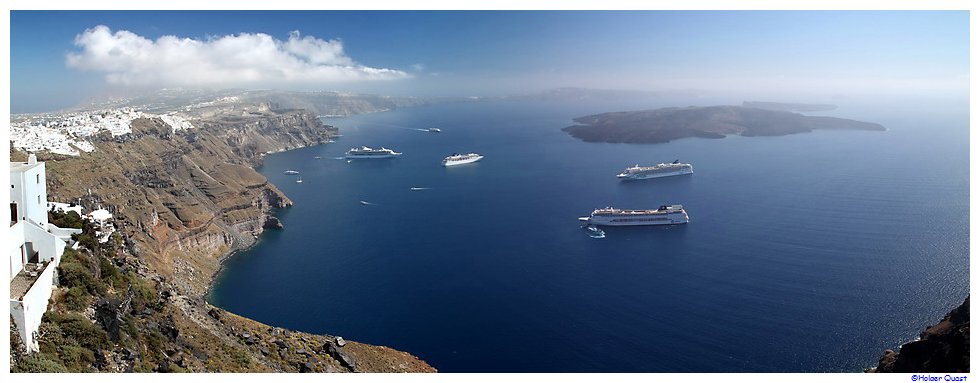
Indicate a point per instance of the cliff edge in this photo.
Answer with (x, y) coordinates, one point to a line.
(944, 347)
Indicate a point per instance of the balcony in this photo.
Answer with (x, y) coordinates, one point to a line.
(25, 279)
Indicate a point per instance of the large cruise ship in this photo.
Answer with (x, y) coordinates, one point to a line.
(459, 159)
(638, 172)
(366, 152)
(665, 215)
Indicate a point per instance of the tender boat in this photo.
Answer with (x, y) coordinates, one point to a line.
(595, 232)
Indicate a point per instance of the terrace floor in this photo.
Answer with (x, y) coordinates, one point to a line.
(22, 283)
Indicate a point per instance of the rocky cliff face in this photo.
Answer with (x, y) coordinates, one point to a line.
(944, 347)
(184, 200)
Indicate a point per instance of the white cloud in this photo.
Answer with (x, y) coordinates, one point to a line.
(247, 58)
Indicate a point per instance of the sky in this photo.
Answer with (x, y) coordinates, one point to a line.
(61, 58)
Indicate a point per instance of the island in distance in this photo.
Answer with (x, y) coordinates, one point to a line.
(666, 124)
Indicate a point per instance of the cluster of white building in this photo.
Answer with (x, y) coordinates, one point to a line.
(66, 134)
(218, 101)
(34, 249)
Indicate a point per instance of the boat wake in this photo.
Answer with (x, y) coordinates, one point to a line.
(594, 231)
(368, 203)
(417, 189)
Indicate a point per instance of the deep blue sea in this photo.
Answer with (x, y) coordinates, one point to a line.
(805, 253)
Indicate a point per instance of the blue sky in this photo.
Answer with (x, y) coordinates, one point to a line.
(489, 53)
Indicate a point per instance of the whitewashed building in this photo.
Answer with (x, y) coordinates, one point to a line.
(34, 249)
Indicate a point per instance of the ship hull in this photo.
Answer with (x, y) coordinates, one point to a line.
(637, 177)
(638, 221)
(353, 156)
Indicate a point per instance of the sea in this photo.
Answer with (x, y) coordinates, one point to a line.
(810, 252)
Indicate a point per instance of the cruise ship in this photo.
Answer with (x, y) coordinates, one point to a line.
(459, 159)
(366, 152)
(638, 172)
(665, 215)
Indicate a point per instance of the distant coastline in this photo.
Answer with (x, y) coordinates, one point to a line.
(667, 124)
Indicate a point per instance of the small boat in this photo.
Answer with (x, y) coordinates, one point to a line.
(364, 202)
(317, 158)
(299, 181)
(434, 130)
(595, 232)
(291, 172)
(417, 189)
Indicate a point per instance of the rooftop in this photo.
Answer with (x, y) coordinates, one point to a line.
(20, 167)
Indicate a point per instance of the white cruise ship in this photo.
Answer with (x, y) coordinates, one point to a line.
(459, 159)
(366, 152)
(665, 215)
(638, 172)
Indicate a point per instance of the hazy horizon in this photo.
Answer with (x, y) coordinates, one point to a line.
(62, 58)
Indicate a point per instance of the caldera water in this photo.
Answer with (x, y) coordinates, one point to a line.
(805, 253)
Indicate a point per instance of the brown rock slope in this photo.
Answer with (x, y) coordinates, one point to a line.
(944, 347)
(183, 201)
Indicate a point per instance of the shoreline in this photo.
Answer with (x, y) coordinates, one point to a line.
(223, 258)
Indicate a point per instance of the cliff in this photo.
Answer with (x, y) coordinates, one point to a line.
(183, 201)
(944, 347)
(664, 125)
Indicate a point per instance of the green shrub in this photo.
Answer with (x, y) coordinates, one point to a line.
(76, 358)
(37, 363)
(70, 220)
(72, 274)
(77, 327)
(77, 299)
(110, 274)
(145, 296)
(86, 240)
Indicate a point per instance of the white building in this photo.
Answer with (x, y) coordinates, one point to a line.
(101, 219)
(34, 250)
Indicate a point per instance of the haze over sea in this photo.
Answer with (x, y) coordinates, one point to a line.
(805, 253)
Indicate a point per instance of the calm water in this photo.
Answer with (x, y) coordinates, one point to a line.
(810, 252)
